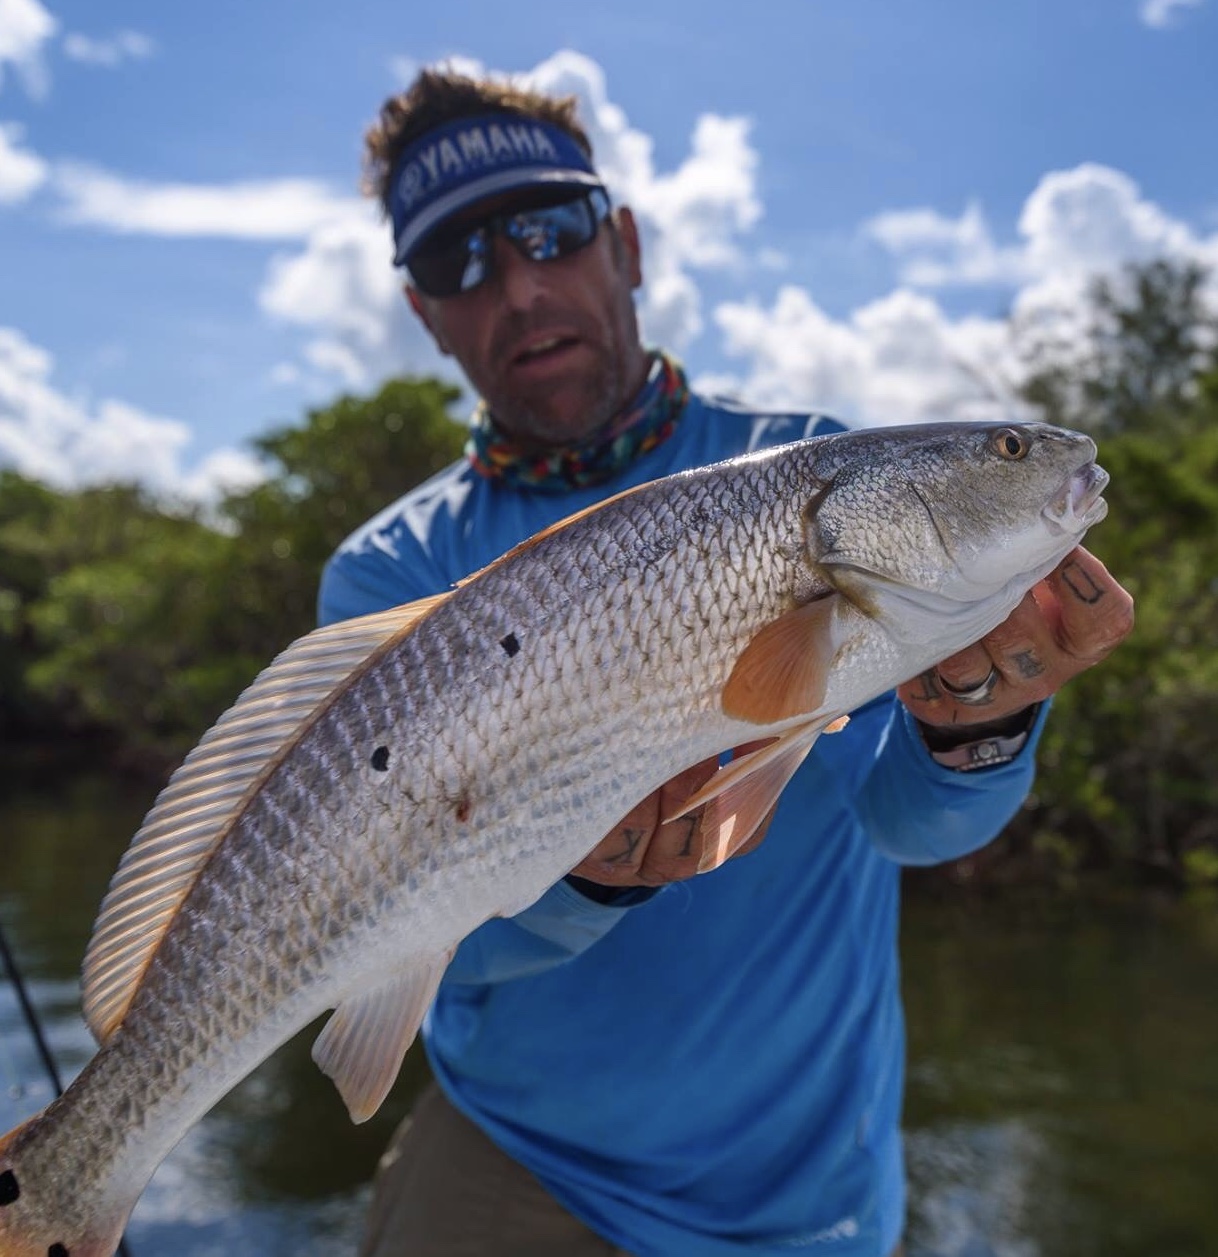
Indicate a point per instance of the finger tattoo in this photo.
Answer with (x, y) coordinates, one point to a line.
(1027, 664)
(632, 838)
(693, 824)
(1081, 584)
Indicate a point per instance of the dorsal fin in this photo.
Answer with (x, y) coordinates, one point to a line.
(207, 793)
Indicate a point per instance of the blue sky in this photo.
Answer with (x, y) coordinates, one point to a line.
(841, 199)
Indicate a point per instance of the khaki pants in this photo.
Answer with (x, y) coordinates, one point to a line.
(444, 1190)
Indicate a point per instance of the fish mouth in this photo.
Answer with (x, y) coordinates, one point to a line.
(1079, 503)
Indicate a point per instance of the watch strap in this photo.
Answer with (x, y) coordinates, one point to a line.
(986, 745)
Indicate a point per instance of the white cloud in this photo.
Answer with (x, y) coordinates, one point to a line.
(344, 290)
(25, 27)
(1093, 218)
(710, 199)
(935, 250)
(111, 52)
(1076, 223)
(21, 172)
(1162, 13)
(903, 358)
(896, 360)
(900, 358)
(403, 69)
(48, 436)
(273, 209)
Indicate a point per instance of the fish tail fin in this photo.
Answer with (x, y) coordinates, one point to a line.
(36, 1220)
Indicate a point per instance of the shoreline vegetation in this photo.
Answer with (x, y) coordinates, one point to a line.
(129, 623)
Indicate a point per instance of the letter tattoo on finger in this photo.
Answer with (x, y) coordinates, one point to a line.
(1081, 585)
(632, 838)
(693, 825)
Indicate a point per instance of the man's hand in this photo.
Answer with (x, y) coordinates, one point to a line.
(1069, 622)
(640, 851)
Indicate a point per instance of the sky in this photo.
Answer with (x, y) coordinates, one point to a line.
(842, 201)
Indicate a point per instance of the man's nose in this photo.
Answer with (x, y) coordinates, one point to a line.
(521, 282)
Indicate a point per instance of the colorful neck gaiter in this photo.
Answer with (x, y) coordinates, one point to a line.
(647, 422)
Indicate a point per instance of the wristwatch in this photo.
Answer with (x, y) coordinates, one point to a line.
(965, 748)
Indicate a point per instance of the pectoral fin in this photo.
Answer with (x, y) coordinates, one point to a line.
(742, 794)
(362, 1045)
(784, 670)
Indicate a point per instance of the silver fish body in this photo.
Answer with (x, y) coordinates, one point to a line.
(389, 784)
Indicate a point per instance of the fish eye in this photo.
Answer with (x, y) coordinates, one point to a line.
(1010, 443)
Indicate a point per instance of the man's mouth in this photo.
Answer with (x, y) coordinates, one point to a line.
(542, 349)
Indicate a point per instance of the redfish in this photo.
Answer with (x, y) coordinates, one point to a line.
(388, 784)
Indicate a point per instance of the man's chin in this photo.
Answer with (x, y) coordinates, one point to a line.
(557, 415)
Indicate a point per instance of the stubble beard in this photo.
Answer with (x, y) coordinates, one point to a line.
(601, 394)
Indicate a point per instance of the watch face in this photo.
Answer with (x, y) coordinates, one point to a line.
(984, 753)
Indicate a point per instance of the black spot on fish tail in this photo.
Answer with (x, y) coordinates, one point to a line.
(57, 1250)
(380, 759)
(9, 1190)
(510, 644)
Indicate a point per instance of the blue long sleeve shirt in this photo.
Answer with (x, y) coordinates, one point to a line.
(719, 1069)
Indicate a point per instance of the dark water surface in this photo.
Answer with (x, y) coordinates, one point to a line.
(1063, 1097)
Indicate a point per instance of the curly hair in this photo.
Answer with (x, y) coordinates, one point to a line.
(438, 96)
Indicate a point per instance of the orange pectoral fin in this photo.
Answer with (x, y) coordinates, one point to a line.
(784, 670)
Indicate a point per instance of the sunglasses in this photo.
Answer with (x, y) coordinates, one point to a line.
(459, 260)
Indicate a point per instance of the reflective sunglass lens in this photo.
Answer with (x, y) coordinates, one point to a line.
(552, 232)
(542, 234)
(458, 267)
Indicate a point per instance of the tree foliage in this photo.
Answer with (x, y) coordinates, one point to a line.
(1148, 339)
(1125, 776)
(121, 616)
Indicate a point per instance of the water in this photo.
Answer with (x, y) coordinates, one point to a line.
(1063, 1096)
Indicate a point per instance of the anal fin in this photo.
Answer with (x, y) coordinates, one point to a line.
(362, 1046)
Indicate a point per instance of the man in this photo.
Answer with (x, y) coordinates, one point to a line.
(645, 1061)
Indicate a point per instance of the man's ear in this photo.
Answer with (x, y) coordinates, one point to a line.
(419, 305)
(628, 233)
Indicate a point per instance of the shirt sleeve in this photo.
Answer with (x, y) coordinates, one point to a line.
(559, 926)
(918, 812)
(374, 573)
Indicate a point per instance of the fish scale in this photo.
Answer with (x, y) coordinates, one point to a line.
(387, 785)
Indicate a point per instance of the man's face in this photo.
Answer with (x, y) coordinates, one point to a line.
(552, 347)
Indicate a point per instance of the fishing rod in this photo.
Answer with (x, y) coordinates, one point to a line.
(35, 1027)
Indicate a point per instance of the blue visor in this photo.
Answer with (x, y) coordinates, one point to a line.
(463, 162)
